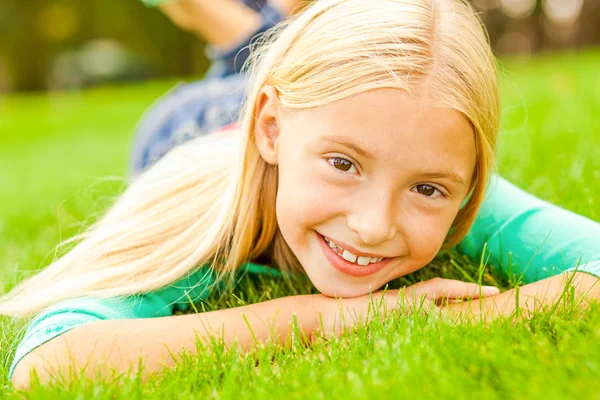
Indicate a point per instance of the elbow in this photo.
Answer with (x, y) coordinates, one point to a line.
(34, 368)
(21, 378)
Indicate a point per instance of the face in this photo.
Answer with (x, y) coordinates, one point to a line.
(368, 186)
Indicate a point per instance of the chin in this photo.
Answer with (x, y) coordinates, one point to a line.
(329, 289)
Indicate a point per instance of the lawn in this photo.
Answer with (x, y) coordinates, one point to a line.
(63, 158)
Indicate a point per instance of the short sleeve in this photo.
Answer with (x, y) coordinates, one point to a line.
(592, 268)
(68, 314)
(540, 238)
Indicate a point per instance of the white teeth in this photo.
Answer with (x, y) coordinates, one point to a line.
(364, 260)
(346, 255)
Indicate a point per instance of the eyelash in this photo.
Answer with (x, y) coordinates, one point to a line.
(442, 194)
(331, 161)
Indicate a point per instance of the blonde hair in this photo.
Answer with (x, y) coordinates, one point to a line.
(211, 201)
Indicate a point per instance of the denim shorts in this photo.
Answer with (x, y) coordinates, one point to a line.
(198, 108)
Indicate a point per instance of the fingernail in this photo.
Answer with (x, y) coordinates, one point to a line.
(491, 290)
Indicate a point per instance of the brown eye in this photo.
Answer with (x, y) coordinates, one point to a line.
(426, 190)
(341, 164)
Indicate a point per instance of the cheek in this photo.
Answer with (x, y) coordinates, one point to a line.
(425, 234)
(302, 204)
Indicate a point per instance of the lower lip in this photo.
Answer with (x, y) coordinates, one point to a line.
(347, 267)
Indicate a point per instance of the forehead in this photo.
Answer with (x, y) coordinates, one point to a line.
(398, 128)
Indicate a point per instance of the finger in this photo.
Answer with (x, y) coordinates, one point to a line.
(399, 303)
(398, 300)
(448, 301)
(439, 288)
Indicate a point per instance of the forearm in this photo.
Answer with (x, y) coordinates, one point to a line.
(529, 299)
(118, 345)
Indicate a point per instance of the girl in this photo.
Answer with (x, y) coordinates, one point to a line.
(365, 145)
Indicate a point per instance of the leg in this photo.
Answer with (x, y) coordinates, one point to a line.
(228, 26)
(199, 108)
(221, 23)
(185, 112)
(289, 7)
(225, 62)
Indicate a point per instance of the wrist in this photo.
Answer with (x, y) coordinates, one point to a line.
(302, 316)
(319, 309)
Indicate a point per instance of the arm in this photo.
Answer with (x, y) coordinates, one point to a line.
(539, 238)
(107, 345)
(532, 298)
(547, 245)
(102, 345)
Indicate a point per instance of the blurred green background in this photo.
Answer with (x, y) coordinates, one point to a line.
(64, 151)
(67, 120)
(69, 44)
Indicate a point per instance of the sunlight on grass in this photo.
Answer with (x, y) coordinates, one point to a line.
(63, 158)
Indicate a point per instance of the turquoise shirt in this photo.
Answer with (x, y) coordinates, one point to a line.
(544, 240)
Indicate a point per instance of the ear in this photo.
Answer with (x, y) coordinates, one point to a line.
(267, 123)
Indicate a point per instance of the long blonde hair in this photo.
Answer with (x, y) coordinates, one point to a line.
(211, 201)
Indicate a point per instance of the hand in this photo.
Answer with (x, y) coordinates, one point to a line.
(335, 315)
(443, 291)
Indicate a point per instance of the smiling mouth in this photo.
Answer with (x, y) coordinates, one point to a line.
(349, 256)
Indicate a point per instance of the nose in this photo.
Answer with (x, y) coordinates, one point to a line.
(374, 219)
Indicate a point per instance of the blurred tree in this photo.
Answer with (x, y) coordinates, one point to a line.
(64, 43)
(36, 34)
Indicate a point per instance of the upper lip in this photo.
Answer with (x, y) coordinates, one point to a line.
(354, 250)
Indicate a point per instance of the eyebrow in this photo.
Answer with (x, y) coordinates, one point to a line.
(344, 141)
(451, 175)
(447, 174)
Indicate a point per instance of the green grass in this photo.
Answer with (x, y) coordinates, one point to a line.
(57, 151)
